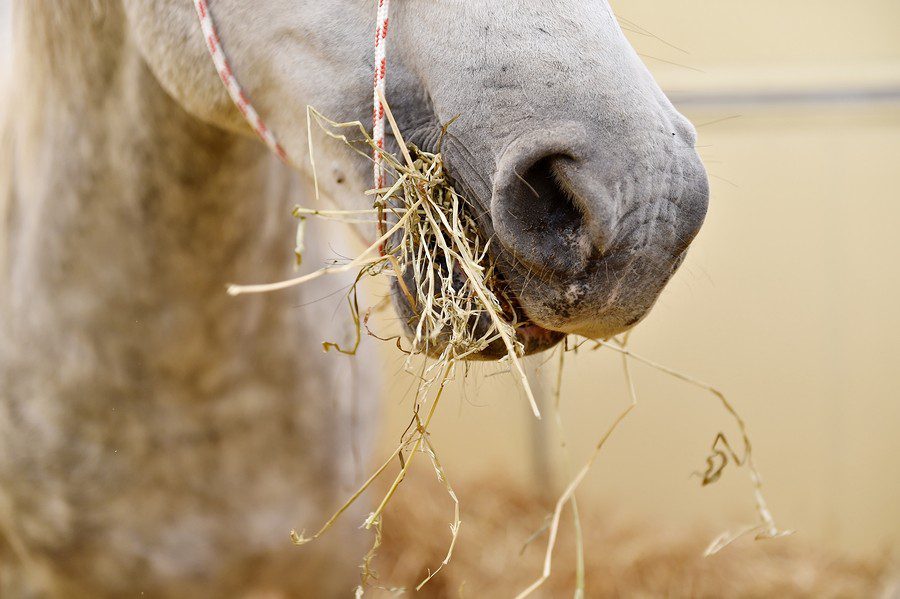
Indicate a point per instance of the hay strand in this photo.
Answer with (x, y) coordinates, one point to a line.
(766, 527)
(573, 486)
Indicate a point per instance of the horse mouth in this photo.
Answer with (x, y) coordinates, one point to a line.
(451, 293)
(533, 337)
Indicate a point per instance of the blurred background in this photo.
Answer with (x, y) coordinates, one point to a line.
(789, 300)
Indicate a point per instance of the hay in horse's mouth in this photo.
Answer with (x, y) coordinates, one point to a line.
(442, 254)
(432, 239)
(532, 337)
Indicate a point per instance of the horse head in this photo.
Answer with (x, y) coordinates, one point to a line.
(579, 167)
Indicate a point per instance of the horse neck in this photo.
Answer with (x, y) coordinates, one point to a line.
(128, 217)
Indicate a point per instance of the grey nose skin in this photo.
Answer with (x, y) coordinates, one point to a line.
(560, 204)
(548, 221)
(539, 211)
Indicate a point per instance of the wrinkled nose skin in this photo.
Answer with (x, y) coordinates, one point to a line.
(581, 170)
(590, 234)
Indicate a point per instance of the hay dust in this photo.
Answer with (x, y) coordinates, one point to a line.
(430, 246)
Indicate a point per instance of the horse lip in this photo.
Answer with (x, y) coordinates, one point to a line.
(533, 337)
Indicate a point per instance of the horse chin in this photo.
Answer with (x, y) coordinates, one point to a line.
(533, 337)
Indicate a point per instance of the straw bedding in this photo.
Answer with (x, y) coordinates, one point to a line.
(623, 559)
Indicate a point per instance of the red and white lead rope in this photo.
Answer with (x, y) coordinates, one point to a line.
(214, 45)
(381, 32)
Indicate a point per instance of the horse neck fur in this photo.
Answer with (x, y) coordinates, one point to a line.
(126, 218)
(122, 200)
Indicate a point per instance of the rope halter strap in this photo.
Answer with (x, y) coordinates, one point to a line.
(243, 103)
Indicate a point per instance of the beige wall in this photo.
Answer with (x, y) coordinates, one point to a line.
(768, 33)
(789, 300)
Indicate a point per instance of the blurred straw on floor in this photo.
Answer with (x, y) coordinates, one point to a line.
(624, 559)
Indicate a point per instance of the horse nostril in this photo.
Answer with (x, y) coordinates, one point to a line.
(552, 203)
(543, 218)
(538, 218)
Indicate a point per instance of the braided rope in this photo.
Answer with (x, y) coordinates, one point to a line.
(381, 32)
(214, 45)
(242, 101)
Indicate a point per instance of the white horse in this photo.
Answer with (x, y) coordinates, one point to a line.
(159, 438)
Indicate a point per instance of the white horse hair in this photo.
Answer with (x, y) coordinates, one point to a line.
(160, 439)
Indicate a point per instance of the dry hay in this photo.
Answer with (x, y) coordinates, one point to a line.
(622, 560)
(431, 246)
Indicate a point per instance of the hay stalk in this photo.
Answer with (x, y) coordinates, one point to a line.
(766, 528)
(457, 522)
(422, 429)
(573, 486)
